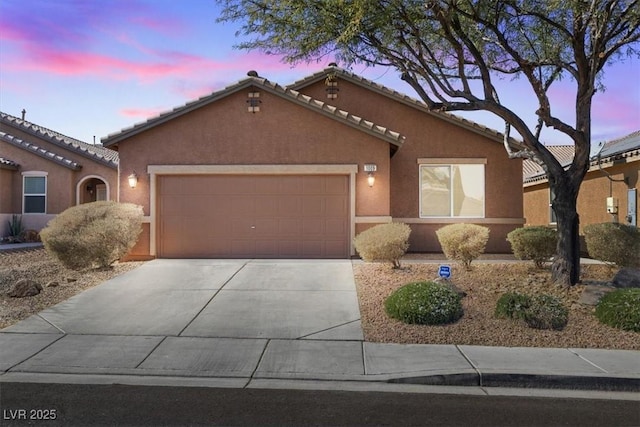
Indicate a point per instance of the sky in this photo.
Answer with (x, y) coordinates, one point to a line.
(89, 68)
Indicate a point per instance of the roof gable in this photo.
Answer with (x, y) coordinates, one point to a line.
(400, 97)
(96, 153)
(390, 136)
(39, 151)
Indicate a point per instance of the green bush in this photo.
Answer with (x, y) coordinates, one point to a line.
(546, 312)
(512, 305)
(620, 309)
(613, 242)
(463, 242)
(425, 303)
(93, 234)
(384, 242)
(534, 243)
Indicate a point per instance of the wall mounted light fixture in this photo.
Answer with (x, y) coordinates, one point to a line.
(370, 169)
(133, 180)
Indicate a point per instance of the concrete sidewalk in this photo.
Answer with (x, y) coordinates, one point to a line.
(252, 323)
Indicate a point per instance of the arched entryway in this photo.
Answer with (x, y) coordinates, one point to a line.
(91, 189)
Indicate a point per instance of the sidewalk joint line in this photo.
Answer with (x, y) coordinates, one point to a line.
(51, 323)
(328, 329)
(264, 350)
(589, 361)
(150, 353)
(36, 353)
(475, 368)
(212, 297)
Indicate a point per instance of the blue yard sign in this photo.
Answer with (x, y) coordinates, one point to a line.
(444, 271)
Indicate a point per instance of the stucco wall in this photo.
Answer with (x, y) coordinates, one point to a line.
(6, 185)
(595, 188)
(430, 137)
(62, 182)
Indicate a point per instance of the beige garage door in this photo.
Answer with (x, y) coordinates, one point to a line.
(257, 216)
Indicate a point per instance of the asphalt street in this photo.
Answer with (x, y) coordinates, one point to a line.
(92, 405)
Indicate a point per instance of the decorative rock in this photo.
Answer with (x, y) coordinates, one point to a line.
(627, 278)
(71, 280)
(25, 288)
(592, 294)
(52, 284)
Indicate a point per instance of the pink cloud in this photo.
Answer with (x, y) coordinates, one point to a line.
(140, 112)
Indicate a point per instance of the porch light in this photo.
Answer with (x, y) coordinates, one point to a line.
(370, 169)
(133, 180)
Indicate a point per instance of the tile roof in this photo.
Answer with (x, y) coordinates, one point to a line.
(401, 97)
(97, 153)
(626, 146)
(531, 171)
(345, 117)
(8, 164)
(37, 150)
(621, 148)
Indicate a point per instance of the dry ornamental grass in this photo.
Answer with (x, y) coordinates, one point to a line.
(484, 284)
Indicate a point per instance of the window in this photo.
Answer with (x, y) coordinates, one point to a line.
(452, 190)
(34, 193)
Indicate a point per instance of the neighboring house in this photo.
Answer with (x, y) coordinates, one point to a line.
(608, 192)
(261, 170)
(43, 172)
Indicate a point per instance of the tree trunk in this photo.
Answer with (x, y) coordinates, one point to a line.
(566, 265)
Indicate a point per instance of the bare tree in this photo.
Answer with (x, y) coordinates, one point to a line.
(452, 51)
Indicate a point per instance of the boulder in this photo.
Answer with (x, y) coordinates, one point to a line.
(25, 288)
(627, 278)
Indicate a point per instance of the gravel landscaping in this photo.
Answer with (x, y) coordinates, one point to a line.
(484, 284)
(37, 265)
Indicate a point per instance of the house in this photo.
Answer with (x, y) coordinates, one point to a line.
(43, 172)
(269, 171)
(608, 193)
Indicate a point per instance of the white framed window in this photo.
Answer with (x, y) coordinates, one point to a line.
(452, 190)
(34, 192)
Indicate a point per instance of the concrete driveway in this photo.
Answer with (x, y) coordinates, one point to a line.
(214, 298)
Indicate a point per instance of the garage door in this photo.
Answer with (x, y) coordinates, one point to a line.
(256, 216)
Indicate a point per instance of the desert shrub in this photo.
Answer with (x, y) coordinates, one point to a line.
(613, 242)
(463, 242)
(546, 312)
(93, 234)
(512, 305)
(620, 309)
(534, 243)
(384, 242)
(426, 303)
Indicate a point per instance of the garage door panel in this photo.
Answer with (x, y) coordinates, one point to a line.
(253, 216)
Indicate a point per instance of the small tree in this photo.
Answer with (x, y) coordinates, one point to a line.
(463, 242)
(93, 234)
(452, 52)
(384, 242)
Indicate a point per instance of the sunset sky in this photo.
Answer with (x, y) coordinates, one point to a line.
(86, 68)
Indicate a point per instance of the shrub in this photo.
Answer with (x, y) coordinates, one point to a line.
(620, 309)
(546, 312)
(384, 242)
(512, 305)
(93, 234)
(613, 242)
(426, 303)
(534, 243)
(15, 228)
(463, 242)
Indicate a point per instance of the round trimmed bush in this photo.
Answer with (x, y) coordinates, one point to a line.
(512, 305)
(620, 309)
(534, 243)
(425, 303)
(546, 312)
(613, 242)
(463, 242)
(93, 234)
(384, 242)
